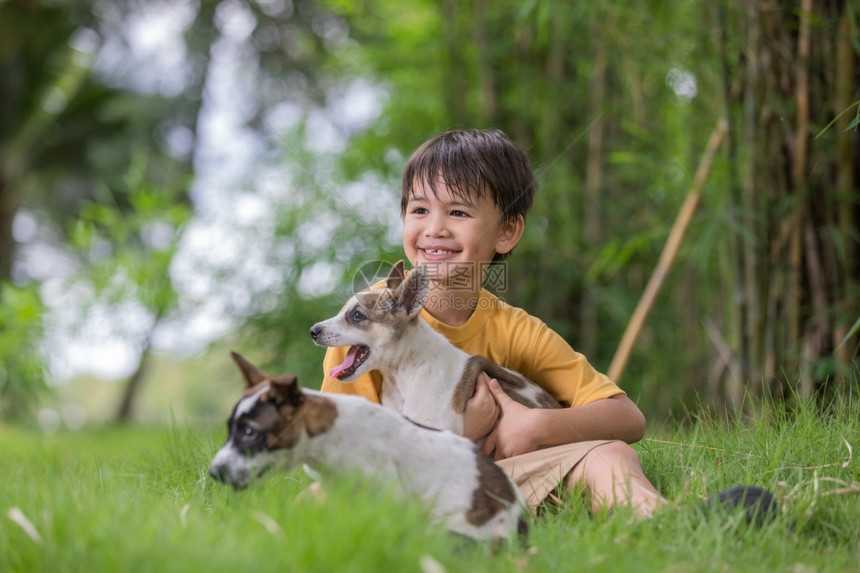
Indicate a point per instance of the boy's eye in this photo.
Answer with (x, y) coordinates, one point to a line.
(419, 211)
(458, 213)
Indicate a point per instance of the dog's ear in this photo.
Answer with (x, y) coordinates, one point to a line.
(395, 275)
(285, 390)
(412, 293)
(251, 373)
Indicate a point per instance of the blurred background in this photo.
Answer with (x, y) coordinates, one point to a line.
(182, 178)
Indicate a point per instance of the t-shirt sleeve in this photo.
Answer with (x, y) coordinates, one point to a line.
(566, 373)
(368, 386)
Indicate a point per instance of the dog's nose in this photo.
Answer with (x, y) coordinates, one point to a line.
(315, 331)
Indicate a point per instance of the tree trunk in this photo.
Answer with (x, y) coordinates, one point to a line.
(8, 209)
(132, 388)
(131, 392)
(134, 383)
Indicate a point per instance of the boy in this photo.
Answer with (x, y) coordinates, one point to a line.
(464, 202)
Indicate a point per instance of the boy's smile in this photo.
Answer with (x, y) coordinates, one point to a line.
(454, 235)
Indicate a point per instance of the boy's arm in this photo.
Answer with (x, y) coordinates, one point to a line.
(520, 429)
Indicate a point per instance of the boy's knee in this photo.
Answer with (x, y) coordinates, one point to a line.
(611, 455)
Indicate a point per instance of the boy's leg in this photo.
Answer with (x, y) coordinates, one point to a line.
(613, 477)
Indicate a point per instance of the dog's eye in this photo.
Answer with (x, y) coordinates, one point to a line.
(248, 433)
(356, 316)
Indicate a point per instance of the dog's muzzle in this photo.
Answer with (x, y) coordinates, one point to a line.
(223, 475)
(324, 337)
(219, 473)
(227, 468)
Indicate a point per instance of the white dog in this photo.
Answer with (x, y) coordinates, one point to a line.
(276, 423)
(424, 376)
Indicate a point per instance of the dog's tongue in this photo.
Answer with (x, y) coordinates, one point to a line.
(347, 363)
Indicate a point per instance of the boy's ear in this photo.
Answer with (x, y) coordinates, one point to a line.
(511, 234)
(395, 275)
(412, 293)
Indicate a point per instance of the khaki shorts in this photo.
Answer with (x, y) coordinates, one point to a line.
(537, 474)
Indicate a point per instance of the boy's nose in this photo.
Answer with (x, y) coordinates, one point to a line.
(436, 227)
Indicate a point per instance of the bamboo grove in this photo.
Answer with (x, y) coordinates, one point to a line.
(744, 247)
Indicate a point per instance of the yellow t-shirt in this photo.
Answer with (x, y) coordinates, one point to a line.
(508, 336)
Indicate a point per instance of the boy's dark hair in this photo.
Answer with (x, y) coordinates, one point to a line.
(474, 163)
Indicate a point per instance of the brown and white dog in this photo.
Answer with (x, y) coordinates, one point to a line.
(424, 376)
(278, 424)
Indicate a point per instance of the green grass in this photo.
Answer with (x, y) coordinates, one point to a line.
(139, 499)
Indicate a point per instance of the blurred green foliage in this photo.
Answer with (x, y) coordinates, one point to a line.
(128, 254)
(22, 365)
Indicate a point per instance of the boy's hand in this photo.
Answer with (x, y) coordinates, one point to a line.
(512, 435)
(482, 412)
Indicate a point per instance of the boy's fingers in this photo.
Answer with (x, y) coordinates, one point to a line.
(489, 446)
(499, 395)
(496, 388)
(481, 386)
(481, 382)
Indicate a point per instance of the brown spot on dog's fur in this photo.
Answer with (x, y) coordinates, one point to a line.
(514, 385)
(316, 414)
(493, 494)
(284, 423)
(465, 386)
(319, 414)
(282, 431)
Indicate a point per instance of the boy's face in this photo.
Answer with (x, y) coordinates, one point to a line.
(456, 237)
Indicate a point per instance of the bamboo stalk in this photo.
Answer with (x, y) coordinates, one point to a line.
(738, 308)
(799, 163)
(486, 75)
(723, 350)
(455, 100)
(591, 224)
(551, 127)
(844, 92)
(819, 327)
(753, 201)
(667, 257)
